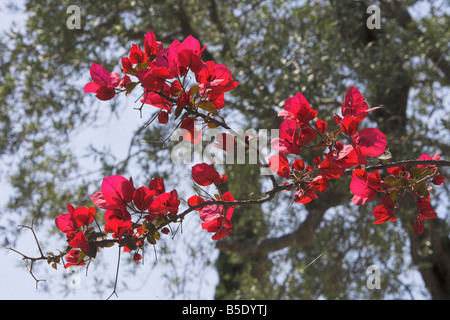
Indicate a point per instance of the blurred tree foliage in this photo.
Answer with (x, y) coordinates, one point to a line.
(275, 49)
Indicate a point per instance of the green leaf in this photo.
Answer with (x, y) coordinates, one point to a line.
(419, 173)
(207, 105)
(390, 180)
(393, 196)
(151, 240)
(130, 87)
(422, 190)
(81, 256)
(194, 89)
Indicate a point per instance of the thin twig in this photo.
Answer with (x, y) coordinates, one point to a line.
(117, 276)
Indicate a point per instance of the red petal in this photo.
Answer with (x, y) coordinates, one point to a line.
(280, 165)
(321, 125)
(142, 198)
(98, 199)
(195, 200)
(157, 186)
(150, 45)
(65, 222)
(438, 180)
(298, 165)
(91, 87)
(355, 105)
(210, 213)
(165, 203)
(117, 190)
(330, 168)
(320, 183)
(297, 109)
(163, 117)
(349, 125)
(83, 216)
(203, 174)
(364, 184)
(382, 214)
(105, 93)
(80, 242)
(137, 257)
(371, 142)
(104, 78)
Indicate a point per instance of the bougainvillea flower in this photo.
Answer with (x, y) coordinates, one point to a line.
(298, 165)
(104, 82)
(184, 99)
(370, 141)
(306, 194)
(292, 137)
(364, 186)
(426, 209)
(156, 185)
(157, 100)
(184, 56)
(284, 146)
(118, 222)
(215, 78)
(75, 218)
(137, 257)
(151, 46)
(195, 200)
(320, 183)
(189, 132)
(355, 105)
(427, 157)
(289, 131)
(123, 82)
(385, 211)
(153, 78)
(330, 168)
(204, 175)
(163, 117)
(297, 109)
(65, 222)
(126, 65)
(118, 214)
(80, 241)
(307, 135)
(83, 216)
(142, 198)
(165, 203)
(349, 156)
(98, 199)
(438, 180)
(189, 54)
(117, 191)
(280, 165)
(217, 99)
(349, 125)
(72, 259)
(214, 219)
(396, 171)
(137, 56)
(321, 125)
